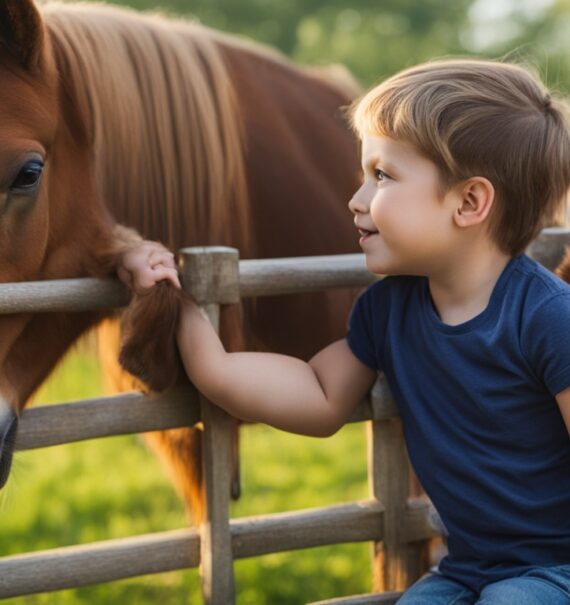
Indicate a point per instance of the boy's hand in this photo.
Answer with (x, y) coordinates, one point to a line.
(145, 265)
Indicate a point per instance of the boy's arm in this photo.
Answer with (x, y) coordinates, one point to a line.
(563, 400)
(314, 398)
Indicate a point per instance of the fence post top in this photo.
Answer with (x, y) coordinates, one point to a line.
(209, 250)
(210, 274)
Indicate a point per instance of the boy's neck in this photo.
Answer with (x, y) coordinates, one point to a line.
(463, 290)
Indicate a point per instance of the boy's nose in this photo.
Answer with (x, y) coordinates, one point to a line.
(358, 203)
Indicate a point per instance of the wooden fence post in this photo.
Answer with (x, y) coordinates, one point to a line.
(211, 276)
(395, 564)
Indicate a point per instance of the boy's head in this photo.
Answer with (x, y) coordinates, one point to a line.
(481, 118)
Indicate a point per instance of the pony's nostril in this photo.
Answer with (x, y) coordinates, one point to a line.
(7, 443)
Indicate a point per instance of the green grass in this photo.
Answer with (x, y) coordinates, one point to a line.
(114, 488)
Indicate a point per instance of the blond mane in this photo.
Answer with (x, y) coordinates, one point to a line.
(160, 111)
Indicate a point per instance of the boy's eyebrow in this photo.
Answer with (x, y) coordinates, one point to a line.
(370, 161)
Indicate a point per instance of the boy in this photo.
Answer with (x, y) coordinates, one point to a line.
(463, 163)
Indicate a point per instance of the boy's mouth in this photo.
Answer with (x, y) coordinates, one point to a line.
(365, 234)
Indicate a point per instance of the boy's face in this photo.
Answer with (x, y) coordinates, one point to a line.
(405, 221)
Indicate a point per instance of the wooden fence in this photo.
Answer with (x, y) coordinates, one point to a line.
(396, 525)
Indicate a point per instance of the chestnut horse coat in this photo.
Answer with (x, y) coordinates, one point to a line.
(115, 125)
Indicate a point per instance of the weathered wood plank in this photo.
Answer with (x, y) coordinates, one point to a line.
(417, 526)
(107, 416)
(76, 566)
(396, 562)
(110, 560)
(260, 277)
(338, 524)
(135, 413)
(63, 295)
(269, 277)
(217, 270)
(217, 569)
(211, 274)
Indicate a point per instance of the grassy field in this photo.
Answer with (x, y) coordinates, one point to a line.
(114, 488)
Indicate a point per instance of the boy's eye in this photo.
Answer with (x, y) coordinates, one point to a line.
(380, 174)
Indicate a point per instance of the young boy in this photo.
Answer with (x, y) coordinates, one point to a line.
(463, 163)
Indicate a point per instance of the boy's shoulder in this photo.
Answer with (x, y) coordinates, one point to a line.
(538, 280)
(544, 298)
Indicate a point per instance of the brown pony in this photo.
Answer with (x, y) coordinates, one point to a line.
(115, 124)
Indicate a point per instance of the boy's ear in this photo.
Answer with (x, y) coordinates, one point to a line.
(476, 198)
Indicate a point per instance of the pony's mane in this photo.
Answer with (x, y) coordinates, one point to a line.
(158, 106)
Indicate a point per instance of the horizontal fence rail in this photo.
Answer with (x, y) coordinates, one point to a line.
(265, 277)
(137, 413)
(107, 416)
(75, 566)
(63, 295)
(271, 277)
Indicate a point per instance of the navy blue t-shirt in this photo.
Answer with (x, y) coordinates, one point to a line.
(482, 426)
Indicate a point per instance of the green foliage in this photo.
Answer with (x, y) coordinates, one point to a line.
(372, 38)
(539, 38)
(114, 488)
(376, 38)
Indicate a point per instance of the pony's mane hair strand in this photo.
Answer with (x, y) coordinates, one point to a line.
(154, 135)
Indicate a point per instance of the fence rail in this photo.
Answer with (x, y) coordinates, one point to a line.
(395, 524)
(137, 413)
(111, 560)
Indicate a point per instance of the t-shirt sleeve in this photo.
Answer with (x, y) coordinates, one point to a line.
(361, 329)
(546, 342)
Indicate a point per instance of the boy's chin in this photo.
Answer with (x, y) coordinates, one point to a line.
(385, 268)
(378, 269)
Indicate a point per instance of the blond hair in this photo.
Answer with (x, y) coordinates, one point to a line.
(481, 118)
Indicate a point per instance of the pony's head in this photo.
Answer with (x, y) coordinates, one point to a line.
(45, 169)
(28, 125)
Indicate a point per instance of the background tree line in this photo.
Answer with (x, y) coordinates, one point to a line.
(375, 38)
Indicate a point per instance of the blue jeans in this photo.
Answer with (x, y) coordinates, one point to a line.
(538, 586)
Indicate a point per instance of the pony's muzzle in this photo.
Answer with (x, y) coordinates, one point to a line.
(8, 430)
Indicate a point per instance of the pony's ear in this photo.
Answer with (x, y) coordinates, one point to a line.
(563, 268)
(148, 341)
(22, 32)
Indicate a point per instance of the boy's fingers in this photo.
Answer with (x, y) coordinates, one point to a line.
(161, 257)
(160, 273)
(147, 264)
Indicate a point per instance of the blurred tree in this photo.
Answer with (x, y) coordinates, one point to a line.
(374, 38)
(538, 37)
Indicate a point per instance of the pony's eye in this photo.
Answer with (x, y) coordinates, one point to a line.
(28, 178)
